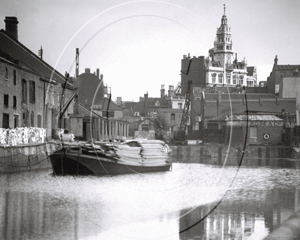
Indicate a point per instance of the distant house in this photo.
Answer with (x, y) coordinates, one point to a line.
(90, 87)
(100, 127)
(148, 107)
(108, 108)
(279, 72)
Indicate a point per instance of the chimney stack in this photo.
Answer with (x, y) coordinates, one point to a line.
(87, 70)
(11, 26)
(98, 73)
(171, 91)
(162, 91)
(146, 104)
(77, 62)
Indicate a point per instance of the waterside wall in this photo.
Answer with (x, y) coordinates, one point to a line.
(25, 157)
(251, 155)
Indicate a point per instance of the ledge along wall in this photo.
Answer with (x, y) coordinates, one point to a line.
(25, 157)
(217, 154)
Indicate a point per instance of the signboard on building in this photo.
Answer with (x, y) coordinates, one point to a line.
(255, 123)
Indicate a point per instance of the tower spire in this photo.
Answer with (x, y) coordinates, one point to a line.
(224, 8)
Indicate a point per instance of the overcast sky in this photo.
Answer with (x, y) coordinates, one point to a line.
(138, 45)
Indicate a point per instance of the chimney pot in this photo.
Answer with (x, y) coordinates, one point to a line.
(11, 26)
(98, 72)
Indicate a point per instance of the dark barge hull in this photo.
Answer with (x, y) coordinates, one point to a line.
(84, 164)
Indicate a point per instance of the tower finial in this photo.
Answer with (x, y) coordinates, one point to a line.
(224, 8)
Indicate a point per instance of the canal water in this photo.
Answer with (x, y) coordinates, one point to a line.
(193, 201)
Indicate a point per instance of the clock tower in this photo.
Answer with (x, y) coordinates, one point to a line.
(223, 43)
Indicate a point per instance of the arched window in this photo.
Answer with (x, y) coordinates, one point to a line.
(213, 77)
(220, 77)
(241, 79)
(234, 79)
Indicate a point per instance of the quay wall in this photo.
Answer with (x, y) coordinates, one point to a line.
(251, 155)
(25, 157)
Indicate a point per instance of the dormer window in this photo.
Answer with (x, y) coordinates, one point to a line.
(157, 103)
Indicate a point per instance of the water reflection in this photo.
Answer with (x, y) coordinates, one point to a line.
(36, 205)
(247, 218)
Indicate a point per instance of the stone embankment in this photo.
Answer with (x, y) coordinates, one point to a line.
(251, 155)
(25, 157)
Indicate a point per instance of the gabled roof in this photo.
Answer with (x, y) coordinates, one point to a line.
(162, 102)
(112, 106)
(129, 105)
(140, 106)
(127, 112)
(287, 67)
(23, 56)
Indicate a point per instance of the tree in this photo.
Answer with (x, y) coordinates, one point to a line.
(161, 126)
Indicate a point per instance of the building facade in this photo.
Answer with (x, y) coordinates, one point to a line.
(220, 68)
(32, 92)
(278, 73)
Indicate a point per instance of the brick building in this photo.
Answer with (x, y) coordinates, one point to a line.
(90, 87)
(238, 128)
(278, 73)
(31, 90)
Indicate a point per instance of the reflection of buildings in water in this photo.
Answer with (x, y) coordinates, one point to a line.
(241, 219)
(34, 216)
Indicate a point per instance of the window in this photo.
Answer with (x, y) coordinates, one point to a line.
(157, 103)
(16, 121)
(39, 121)
(220, 76)
(14, 102)
(295, 73)
(253, 134)
(5, 121)
(241, 80)
(180, 105)
(172, 117)
(6, 73)
(24, 91)
(6, 99)
(15, 77)
(213, 77)
(234, 79)
(31, 91)
(228, 78)
(32, 119)
(145, 127)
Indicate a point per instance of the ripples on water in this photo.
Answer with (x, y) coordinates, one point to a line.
(37, 205)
